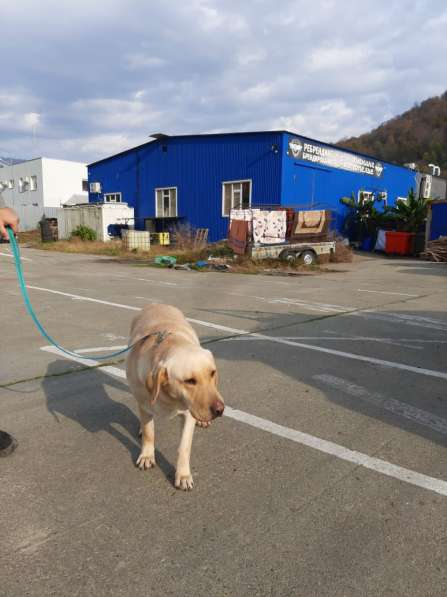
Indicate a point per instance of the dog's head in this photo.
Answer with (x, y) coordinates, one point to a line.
(189, 376)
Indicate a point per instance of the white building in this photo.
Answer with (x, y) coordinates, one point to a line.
(38, 187)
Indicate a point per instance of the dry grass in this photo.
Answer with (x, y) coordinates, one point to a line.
(75, 245)
(113, 248)
(29, 237)
(186, 252)
(343, 253)
(186, 238)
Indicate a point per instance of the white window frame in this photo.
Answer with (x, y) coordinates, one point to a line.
(169, 189)
(234, 182)
(367, 195)
(23, 184)
(383, 196)
(33, 183)
(11, 183)
(117, 197)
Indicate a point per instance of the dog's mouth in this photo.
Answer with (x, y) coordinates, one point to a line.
(202, 421)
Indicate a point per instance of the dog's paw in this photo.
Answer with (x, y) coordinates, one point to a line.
(203, 424)
(145, 461)
(184, 482)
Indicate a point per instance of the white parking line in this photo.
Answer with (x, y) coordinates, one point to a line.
(100, 349)
(429, 323)
(387, 292)
(319, 307)
(12, 256)
(85, 298)
(236, 331)
(358, 458)
(397, 407)
(83, 361)
(396, 342)
(157, 282)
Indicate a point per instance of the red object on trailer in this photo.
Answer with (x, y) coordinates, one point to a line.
(399, 243)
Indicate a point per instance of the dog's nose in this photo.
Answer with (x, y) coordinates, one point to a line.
(217, 408)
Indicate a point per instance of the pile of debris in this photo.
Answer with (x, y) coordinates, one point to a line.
(213, 263)
(436, 250)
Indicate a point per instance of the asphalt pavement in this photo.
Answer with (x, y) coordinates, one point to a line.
(326, 477)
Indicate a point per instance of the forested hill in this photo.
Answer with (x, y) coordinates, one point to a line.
(418, 135)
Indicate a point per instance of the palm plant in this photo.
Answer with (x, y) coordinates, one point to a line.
(361, 220)
(411, 214)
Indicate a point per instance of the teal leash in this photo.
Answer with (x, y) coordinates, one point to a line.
(19, 270)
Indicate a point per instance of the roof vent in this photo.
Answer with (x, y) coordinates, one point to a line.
(158, 136)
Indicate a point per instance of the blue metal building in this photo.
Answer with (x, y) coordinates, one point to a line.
(195, 179)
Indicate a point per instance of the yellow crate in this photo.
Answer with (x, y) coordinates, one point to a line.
(164, 238)
(160, 238)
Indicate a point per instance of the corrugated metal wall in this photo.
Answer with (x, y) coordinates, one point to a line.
(320, 186)
(197, 166)
(438, 220)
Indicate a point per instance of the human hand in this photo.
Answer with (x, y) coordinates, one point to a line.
(8, 217)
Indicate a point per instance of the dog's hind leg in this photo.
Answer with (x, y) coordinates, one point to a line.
(146, 459)
(183, 477)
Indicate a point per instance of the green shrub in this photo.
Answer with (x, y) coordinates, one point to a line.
(84, 233)
(221, 250)
(410, 214)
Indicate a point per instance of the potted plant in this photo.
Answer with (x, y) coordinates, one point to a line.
(362, 219)
(409, 217)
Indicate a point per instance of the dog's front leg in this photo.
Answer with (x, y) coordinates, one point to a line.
(146, 459)
(183, 477)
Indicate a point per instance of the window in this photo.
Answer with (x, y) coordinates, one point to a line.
(166, 203)
(11, 183)
(235, 194)
(112, 197)
(33, 183)
(383, 197)
(23, 185)
(365, 196)
(85, 185)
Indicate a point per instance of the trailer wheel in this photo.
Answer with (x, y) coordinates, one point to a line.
(308, 257)
(288, 256)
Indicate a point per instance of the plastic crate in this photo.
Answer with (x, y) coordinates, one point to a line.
(136, 239)
(399, 243)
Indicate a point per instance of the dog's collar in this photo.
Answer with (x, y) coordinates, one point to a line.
(160, 337)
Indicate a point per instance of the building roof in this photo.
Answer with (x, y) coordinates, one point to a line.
(164, 137)
(17, 162)
(9, 161)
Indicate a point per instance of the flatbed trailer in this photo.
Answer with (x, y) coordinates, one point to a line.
(307, 253)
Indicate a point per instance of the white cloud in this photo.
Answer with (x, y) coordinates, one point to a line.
(97, 77)
(341, 57)
(141, 60)
(329, 120)
(31, 119)
(117, 114)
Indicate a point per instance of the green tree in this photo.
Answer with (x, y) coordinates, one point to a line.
(411, 214)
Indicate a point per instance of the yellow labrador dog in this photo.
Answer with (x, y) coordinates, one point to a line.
(170, 374)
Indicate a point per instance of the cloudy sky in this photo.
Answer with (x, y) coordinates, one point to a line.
(83, 79)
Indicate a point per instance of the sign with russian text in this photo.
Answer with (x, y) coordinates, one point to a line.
(302, 149)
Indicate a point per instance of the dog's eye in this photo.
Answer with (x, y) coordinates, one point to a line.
(191, 381)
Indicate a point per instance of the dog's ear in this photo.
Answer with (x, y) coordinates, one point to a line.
(216, 378)
(154, 381)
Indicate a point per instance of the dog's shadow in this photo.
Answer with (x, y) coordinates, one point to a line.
(83, 397)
